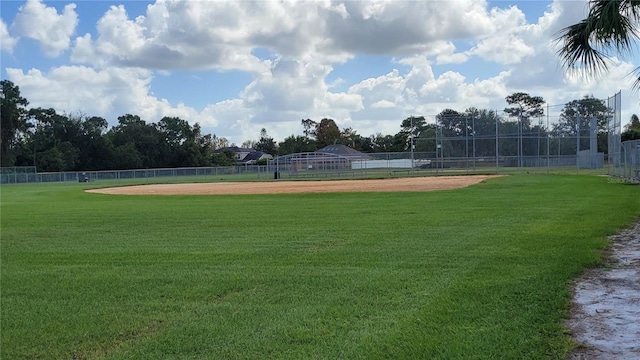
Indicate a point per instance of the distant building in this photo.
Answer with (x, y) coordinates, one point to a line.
(344, 151)
(245, 156)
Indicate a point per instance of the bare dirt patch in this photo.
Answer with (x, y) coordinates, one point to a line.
(605, 318)
(310, 186)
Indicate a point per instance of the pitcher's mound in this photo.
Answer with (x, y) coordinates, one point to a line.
(311, 186)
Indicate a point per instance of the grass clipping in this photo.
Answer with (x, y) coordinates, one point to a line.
(605, 320)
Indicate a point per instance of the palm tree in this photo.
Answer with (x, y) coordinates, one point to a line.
(611, 26)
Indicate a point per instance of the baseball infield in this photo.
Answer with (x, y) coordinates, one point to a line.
(310, 186)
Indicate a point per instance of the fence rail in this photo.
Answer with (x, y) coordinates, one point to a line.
(377, 164)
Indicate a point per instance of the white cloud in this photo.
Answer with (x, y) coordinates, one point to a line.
(222, 35)
(7, 42)
(188, 35)
(506, 49)
(108, 93)
(383, 104)
(37, 21)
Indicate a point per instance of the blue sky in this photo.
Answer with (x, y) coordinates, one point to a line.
(238, 66)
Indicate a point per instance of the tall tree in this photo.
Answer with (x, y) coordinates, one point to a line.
(610, 28)
(266, 143)
(146, 139)
(327, 133)
(249, 144)
(175, 130)
(452, 123)
(95, 152)
(416, 129)
(453, 126)
(183, 143)
(483, 124)
(56, 140)
(309, 127)
(349, 137)
(218, 142)
(224, 158)
(204, 145)
(296, 144)
(632, 129)
(524, 107)
(386, 143)
(13, 120)
(634, 123)
(410, 128)
(575, 122)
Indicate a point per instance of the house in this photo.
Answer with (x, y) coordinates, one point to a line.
(344, 151)
(245, 156)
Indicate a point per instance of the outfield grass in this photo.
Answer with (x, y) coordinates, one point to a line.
(480, 272)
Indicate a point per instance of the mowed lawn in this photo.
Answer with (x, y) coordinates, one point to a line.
(481, 272)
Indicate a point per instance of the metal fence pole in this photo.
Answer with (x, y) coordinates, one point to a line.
(473, 133)
(548, 149)
(466, 141)
(497, 152)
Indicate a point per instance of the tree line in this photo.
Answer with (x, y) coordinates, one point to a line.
(78, 142)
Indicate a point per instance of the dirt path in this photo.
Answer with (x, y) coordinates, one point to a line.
(311, 186)
(605, 317)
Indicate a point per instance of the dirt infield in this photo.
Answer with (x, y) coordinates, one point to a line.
(311, 186)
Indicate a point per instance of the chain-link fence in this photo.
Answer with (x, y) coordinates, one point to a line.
(569, 137)
(9, 176)
(628, 163)
(17, 174)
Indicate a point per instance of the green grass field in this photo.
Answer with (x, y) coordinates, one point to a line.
(481, 272)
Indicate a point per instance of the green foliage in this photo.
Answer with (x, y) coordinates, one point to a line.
(610, 28)
(224, 158)
(526, 107)
(632, 129)
(384, 143)
(296, 144)
(266, 143)
(631, 134)
(327, 133)
(575, 120)
(482, 271)
(13, 119)
(67, 142)
(416, 127)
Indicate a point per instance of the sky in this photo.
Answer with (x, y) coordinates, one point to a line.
(236, 67)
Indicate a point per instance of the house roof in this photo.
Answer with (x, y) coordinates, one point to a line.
(255, 155)
(235, 149)
(251, 154)
(343, 150)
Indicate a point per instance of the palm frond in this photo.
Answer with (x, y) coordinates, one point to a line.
(636, 74)
(576, 48)
(611, 26)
